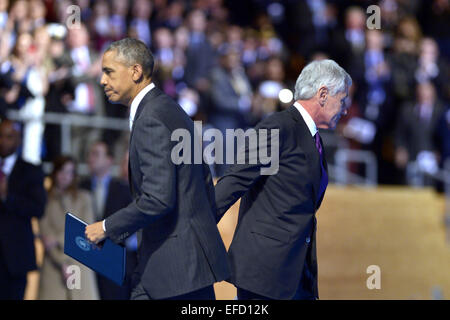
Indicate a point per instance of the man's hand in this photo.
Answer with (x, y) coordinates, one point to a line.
(94, 232)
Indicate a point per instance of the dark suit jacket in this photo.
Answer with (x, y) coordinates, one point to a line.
(273, 252)
(180, 248)
(26, 199)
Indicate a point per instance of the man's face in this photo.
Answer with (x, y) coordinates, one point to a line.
(9, 139)
(335, 106)
(116, 79)
(98, 159)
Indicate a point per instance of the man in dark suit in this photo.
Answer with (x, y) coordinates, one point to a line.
(22, 196)
(180, 251)
(273, 252)
(110, 194)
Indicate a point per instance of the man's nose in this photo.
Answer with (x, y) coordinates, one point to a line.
(103, 80)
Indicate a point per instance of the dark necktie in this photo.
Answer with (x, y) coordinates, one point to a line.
(324, 175)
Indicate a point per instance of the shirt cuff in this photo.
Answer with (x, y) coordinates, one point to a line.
(104, 228)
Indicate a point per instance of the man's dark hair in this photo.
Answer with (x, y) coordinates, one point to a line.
(133, 51)
(108, 148)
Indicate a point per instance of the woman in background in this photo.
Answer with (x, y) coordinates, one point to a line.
(64, 196)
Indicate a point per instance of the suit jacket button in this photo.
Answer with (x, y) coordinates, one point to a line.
(308, 240)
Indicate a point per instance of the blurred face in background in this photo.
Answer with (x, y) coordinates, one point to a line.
(37, 9)
(23, 45)
(65, 176)
(426, 93)
(19, 10)
(163, 38)
(120, 7)
(99, 161)
(355, 19)
(374, 40)
(142, 9)
(275, 70)
(4, 5)
(9, 139)
(197, 21)
(429, 51)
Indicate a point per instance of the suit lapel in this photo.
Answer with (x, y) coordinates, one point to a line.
(145, 101)
(310, 148)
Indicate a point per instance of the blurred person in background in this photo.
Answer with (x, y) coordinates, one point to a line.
(373, 77)
(404, 59)
(109, 194)
(431, 67)
(269, 90)
(19, 20)
(4, 4)
(231, 95)
(100, 24)
(88, 97)
(22, 196)
(165, 59)
(64, 196)
(118, 19)
(140, 22)
(199, 53)
(61, 90)
(442, 138)
(313, 21)
(37, 13)
(416, 128)
(348, 43)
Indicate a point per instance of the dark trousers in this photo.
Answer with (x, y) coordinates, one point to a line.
(243, 294)
(12, 287)
(207, 293)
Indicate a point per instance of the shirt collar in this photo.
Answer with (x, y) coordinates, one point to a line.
(137, 100)
(9, 163)
(308, 120)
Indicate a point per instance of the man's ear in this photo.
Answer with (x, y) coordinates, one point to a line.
(323, 95)
(137, 73)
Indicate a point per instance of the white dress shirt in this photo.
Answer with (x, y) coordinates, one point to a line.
(137, 100)
(306, 116)
(134, 105)
(9, 163)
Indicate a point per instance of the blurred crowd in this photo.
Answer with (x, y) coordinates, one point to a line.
(229, 63)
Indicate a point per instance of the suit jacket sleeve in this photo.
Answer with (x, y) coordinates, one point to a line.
(158, 187)
(239, 178)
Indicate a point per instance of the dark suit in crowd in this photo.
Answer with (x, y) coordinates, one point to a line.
(26, 199)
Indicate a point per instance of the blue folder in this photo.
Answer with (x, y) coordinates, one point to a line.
(109, 260)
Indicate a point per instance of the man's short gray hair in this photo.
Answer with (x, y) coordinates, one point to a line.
(133, 51)
(321, 73)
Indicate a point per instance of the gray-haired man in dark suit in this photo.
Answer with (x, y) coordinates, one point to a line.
(180, 251)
